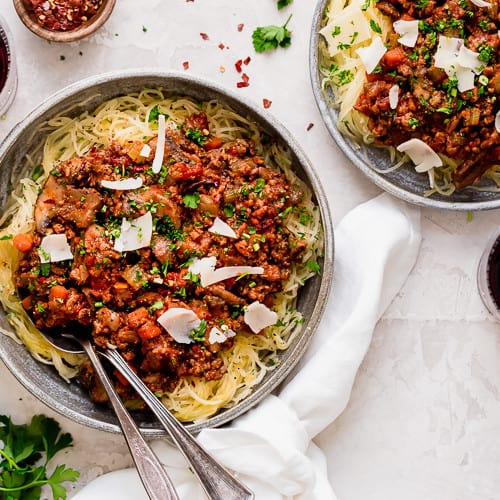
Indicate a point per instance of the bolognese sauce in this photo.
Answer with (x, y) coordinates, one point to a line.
(210, 200)
(431, 106)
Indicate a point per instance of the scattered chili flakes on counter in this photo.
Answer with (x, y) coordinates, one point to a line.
(266, 103)
(204, 36)
(309, 126)
(240, 27)
(245, 81)
(185, 64)
(63, 15)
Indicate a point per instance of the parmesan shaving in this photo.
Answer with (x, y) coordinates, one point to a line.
(54, 248)
(145, 151)
(135, 234)
(408, 31)
(222, 228)
(348, 28)
(469, 59)
(372, 54)
(123, 184)
(394, 96)
(422, 155)
(217, 336)
(205, 268)
(179, 323)
(456, 60)
(224, 273)
(258, 316)
(481, 3)
(160, 146)
(497, 121)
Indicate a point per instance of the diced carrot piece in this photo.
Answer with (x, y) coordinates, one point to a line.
(23, 242)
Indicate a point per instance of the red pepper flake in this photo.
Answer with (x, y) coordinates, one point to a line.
(267, 103)
(238, 64)
(240, 27)
(245, 79)
(204, 36)
(185, 64)
(247, 60)
(309, 127)
(222, 46)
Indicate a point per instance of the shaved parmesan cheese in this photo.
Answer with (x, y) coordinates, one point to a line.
(469, 59)
(205, 265)
(465, 77)
(422, 155)
(258, 316)
(481, 3)
(447, 52)
(394, 96)
(135, 234)
(145, 151)
(205, 268)
(457, 60)
(160, 145)
(348, 28)
(218, 336)
(497, 121)
(408, 31)
(372, 54)
(222, 228)
(224, 273)
(54, 248)
(179, 322)
(123, 184)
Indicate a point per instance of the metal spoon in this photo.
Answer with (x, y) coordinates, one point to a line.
(152, 473)
(217, 482)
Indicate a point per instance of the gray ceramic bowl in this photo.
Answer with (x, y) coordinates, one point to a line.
(404, 182)
(42, 380)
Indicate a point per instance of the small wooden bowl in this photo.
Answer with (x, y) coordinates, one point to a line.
(85, 29)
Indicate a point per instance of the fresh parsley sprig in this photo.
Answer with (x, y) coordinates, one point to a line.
(283, 3)
(271, 37)
(23, 466)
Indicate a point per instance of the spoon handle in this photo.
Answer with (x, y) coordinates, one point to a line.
(217, 482)
(153, 475)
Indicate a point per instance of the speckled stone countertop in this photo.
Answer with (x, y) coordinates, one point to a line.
(423, 421)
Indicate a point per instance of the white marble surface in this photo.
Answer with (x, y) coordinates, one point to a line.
(424, 418)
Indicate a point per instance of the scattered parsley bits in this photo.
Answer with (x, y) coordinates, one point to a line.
(195, 135)
(271, 37)
(25, 445)
(283, 3)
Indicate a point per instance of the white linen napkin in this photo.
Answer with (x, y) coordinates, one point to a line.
(271, 447)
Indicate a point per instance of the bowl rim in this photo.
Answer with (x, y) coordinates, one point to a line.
(268, 121)
(344, 144)
(85, 29)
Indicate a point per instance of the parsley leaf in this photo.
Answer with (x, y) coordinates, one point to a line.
(25, 445)
(283, 3)
(191, 200)
(271, 37)
(154, 113)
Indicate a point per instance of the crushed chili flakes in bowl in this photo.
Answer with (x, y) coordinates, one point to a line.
(63, 15)
(63, 20)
